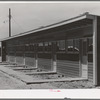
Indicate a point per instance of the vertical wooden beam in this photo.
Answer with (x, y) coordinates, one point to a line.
(95, 51)
(15, 58)
(36, 55)
(24, 54)
(80, 58)
(15, 53)
(66, 46)
(54, 56)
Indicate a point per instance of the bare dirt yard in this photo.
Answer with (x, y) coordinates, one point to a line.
(8, 82)
(10, 79)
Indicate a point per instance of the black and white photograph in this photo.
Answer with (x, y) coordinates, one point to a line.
(49, 45)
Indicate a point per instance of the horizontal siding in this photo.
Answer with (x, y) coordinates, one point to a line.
(30, 61)
(45, 64)
(90, 71)
(11, 59)
(20, 60)
(68, 68)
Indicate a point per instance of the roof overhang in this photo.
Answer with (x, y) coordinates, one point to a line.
(71, 20)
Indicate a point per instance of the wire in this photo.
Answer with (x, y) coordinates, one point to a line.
(17, 23)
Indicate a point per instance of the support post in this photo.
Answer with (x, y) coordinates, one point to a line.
(24, 53)
(54, 57)
(15, 56)
(80, 58)
(36, 55)
(95, 51)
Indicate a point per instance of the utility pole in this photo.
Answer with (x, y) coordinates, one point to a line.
(9, 22)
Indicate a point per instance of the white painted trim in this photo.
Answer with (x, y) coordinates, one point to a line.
(36, 63)
(54, 66)
(95, 50)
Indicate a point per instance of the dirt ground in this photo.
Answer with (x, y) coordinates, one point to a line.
(8, 82)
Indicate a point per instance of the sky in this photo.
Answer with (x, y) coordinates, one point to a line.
(28, 16)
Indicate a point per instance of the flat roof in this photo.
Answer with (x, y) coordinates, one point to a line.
(71, 20)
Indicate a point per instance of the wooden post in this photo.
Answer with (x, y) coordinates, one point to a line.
(54, 56)
(24, 53)
(15, 53)
(15, 58)
(9, 22)
(36, 55)
(80, 58)
(95, 51)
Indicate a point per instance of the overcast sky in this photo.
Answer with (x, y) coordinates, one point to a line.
(28, 16)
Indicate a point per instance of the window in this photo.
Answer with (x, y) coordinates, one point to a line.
(32, 47)
(40, 47)
(61, 46)
(76, 45)
(47, 46)
(72, 46)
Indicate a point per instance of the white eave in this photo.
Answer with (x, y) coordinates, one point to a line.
(80, 17)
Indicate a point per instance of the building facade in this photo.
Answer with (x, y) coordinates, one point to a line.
(70, 47)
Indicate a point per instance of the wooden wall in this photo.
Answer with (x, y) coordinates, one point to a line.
(90, 67)
(45, 61)
(68, 65)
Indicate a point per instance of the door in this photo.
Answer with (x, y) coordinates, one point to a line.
(84, 58)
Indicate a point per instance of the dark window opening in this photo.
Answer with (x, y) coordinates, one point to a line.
(40, 47)
(61, 46)
(47, 47)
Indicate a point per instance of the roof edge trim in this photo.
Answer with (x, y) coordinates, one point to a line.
(77, 18)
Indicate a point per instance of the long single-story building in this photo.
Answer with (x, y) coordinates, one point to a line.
(70, 47)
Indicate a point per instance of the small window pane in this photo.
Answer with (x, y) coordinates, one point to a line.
(48, 46)
(70, 45)
(61, 45)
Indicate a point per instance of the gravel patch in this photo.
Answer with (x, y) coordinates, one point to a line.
(73, 85)
(8, 82)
